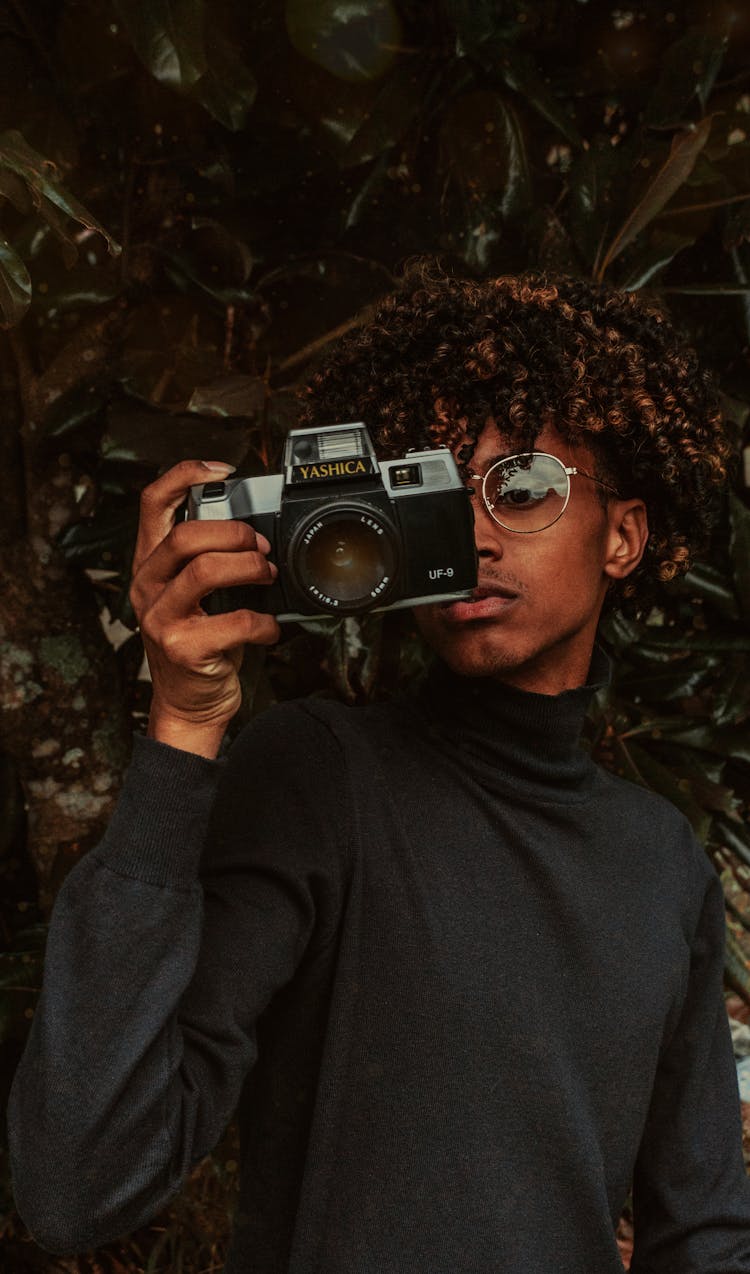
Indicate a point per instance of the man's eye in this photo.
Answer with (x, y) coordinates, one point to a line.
(522, 497)
(518, 497)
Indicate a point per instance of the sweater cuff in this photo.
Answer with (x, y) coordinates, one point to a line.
(157, 830)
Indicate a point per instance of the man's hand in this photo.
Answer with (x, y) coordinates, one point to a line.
(194, 658)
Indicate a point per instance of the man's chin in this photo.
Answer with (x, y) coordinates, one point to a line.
(470, 650)
(475, 663)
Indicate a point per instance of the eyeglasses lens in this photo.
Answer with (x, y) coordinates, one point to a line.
(527, 492)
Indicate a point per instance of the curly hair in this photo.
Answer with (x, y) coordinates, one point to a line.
(607, 368)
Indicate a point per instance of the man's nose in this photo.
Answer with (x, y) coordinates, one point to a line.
(488, 535)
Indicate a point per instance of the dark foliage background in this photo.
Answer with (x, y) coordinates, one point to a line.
(195, 199)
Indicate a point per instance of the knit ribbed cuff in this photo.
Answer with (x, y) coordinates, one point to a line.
(158, 828)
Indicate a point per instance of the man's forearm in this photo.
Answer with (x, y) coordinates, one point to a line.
(102, 1123)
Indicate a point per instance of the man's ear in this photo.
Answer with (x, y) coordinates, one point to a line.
(628, 533)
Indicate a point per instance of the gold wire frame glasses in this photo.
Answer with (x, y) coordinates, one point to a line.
(530, 492)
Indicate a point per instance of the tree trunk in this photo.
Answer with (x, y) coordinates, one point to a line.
(63, 717)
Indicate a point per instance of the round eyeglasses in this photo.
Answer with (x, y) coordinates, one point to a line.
(529, 492)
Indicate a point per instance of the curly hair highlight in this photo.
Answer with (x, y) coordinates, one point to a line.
(607, 368)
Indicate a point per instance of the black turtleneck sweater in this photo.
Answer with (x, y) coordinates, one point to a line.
(461, 986)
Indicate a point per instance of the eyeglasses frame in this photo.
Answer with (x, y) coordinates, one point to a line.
(570, 471)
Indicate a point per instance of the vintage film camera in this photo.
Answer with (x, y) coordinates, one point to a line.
(348, 533)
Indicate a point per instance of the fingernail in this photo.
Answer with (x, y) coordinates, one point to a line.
(262, 543)
(218, 466)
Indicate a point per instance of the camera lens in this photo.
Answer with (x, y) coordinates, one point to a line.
(345, 559)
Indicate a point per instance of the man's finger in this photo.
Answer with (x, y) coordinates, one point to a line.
(198, 643)
(185, 542)
(161, 499)
(181, 598)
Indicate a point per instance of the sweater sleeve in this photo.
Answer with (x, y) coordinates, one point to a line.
(691, 1194)
(166, 941)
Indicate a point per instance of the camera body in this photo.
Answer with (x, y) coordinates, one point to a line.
(349, 533)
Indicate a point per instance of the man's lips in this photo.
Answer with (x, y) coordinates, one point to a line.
(492, 590)
(488, 601)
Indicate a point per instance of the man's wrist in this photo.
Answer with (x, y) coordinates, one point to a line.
(204, 740)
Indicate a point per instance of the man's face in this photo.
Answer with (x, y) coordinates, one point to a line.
(533, 620)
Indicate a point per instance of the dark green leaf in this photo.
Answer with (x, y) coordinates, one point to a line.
(656, 727)
(335, 110)
(480, 240)
(40, 176)
(591, 181)
(168, 36)
(256, 689)
(735, 410)
(79, 289)
(386, 121)
(716, 797)
(228, 88)
(661, 248)
(739, 548)
(519, 72)
(731, 693)
(171, 348)
(20, 969)
(351, 41)
(667, 686)
(737, 229)
(110, 531)
(151, 437)
(344, 648)
(700, 767)
(215, 259)
(701, 202)
(707, 178)
(655, 656)
(674, 172)
(736, 837)
(557, 251)
(731, 741)
(179, 44)
(58, 224)
(20, 984)
(713, 644)
(234, 395)
(621, 631)
(72, 410)
(370, 190)
(486, 153)
(187, 275)
(12, 188)
(688, 69)
(31, 939)
(369, 661)
(645, 769)
(742, 277)
(477, 23)
(737, 966)
(706, 581)
(707, 289)
(15, 286)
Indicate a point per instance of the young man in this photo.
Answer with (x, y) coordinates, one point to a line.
(462, 986)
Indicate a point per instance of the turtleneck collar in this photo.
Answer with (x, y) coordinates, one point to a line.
(506, 735)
